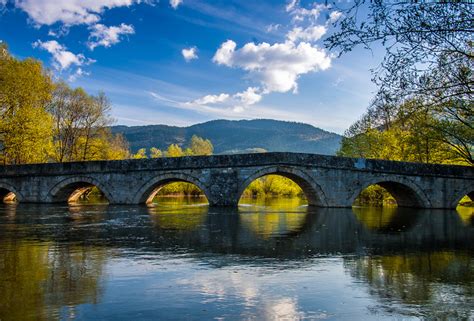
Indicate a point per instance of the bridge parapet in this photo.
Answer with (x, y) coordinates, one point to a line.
(241, 160)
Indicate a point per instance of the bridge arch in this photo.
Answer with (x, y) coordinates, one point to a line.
(7, 189)
(148, 191)
(313, 192)
(405, 192)
(71, 189)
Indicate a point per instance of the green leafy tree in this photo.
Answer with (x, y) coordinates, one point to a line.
(428, 59)
(407, 136)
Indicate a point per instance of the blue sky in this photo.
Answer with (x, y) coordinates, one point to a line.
(180, 62)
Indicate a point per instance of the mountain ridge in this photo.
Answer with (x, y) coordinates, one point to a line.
(236, 136)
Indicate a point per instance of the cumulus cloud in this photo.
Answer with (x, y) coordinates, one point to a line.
(189, 53)
(236, 103)
(310, 34)
(107, 36)
(211, 99)
(62, 58)
(334, 16)
(273, 67)
(278, 66)
(249, 96)
(175, 3)
(70, 12)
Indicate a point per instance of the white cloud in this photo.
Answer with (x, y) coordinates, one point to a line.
(211, 99)
(77, 74)
(310, 34)
(274, 67)
(334, 16)
(62, 58)
(107, 36)
(273, 27)
(69, 12)
(236, 103)
(301, 14)
(175, 3)
(189, 53)
(249, 96)
(225, 53)
(291, 5)
(278, 66)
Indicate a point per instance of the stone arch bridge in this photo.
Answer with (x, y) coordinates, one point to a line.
(327, 181)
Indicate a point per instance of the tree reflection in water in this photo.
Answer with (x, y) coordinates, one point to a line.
(274, 217)
(39, 279)
(179, 213)
(467, 214)
(438, 285)
(386, 219)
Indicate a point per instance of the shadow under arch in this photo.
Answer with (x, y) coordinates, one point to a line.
(71, 189)
(9, 193)
(405, 192)
(313, 192)
(148, 191)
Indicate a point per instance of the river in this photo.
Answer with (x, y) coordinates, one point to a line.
(267, 260)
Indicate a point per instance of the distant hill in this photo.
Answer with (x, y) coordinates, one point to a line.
(242, 136)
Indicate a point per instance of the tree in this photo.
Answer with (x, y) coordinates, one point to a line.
(27, 136)
(437, 34)
(409, 137)
(141, 153)
(81, 126)
(25, 126)
(174, 151)
(96, 118)
(42, 121)
(201, 146)
(198, 146)
(155, 153)
(272, 186)
(429, 58)
(104, 146)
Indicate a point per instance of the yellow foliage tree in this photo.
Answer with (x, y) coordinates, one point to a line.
(25, 126)
(141, 153)
(174, 151)
(155, 152)
(201, 146)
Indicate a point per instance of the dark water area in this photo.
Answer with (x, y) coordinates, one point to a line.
(273, 260)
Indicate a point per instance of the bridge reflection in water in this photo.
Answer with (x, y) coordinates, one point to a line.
(277, 260)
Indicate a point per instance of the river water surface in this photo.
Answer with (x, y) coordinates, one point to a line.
(274, 260)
